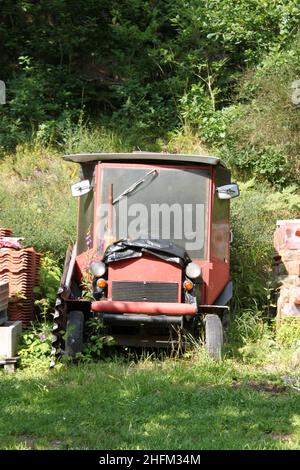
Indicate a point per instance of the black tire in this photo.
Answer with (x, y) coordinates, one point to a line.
(74, 333)
(213, 336)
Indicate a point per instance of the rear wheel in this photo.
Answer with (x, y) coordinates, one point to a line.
(74, 333)
(213, 336)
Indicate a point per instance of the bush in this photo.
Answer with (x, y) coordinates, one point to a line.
(35, 345)
(83, 137)
(288, 332)
(254, 216)
(158, 61)
(46, 291)
(36, 200)
(262, 131)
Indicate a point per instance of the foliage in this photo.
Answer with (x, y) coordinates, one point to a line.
(35, 344)
(288, 332)
(87, 287)
(182, 140)
(262, 131)
(254, 216)
(96, 341)
(46, 291)
(251, 336)
(81, 136)
(249, 325)
(35, 199)
(144, 64)
(224, 71)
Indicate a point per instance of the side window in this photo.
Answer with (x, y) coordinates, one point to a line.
(85, 210)
(220, 233)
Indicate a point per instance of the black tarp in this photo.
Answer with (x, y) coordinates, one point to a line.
(126, 249)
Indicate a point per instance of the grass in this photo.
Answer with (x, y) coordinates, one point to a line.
(172, 404)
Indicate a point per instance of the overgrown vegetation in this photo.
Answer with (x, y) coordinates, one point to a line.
(35, 346)
(145, 65)
(263, 128)
(125, 76)
(35, 198)
(254, 216)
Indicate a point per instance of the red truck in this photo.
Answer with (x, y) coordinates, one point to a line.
(153, 244)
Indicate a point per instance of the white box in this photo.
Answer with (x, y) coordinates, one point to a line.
(9, 333)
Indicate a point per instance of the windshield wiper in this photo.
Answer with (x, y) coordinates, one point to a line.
(134, 186)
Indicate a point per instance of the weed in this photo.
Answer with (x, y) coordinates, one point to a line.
(87, 287)
(35, 345)
(81, 137)
(96, 340)
(46, 291)
(288, 332)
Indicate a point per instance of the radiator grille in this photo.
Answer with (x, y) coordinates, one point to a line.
(145, 291)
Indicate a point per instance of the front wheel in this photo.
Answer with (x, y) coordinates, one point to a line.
(213, 336)
(74, 333)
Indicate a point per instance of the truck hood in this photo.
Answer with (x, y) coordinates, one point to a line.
(126, 249)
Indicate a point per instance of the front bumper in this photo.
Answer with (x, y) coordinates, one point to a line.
(149, 308)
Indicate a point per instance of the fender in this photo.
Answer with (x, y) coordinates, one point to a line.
(225, 295)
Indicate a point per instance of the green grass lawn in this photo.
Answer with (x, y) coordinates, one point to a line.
(172, 404)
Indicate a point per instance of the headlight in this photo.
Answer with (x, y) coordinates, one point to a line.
(193, 271)
(97, 268)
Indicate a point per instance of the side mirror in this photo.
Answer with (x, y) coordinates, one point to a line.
(81, 188)
(228, 191)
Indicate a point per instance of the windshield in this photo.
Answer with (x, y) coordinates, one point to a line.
(133, 186)
(167, 204)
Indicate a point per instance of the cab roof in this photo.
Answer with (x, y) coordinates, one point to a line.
(140, 156)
